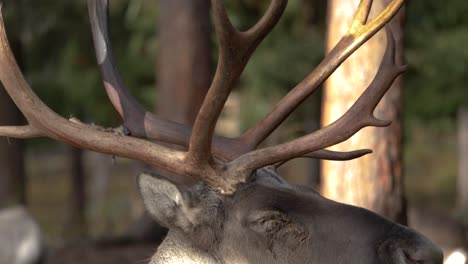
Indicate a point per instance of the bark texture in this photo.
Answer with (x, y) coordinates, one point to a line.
(78, 193)
(12, 176)
(184, 65)
(12, 173)
(184, 73)
(374, 181)
(462, 184)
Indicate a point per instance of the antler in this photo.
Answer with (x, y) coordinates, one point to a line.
(235, 49)
(221, 162)
(45, 122)
(358, 33)
(141, 123)
(360, 115)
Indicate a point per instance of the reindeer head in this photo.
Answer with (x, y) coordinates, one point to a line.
(236, 210)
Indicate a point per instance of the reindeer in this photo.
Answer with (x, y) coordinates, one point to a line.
(232, 206)
(20, 237)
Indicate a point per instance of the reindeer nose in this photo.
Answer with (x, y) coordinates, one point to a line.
(425, 253)
(405, 246)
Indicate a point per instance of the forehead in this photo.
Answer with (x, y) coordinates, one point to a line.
(267, 190)
(271, 179)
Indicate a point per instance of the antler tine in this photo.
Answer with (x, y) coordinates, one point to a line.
(264, 26)
(42, 120)
(358, 33)
(235, 49)
(120, 97)
(135, 118)
(362, 13)
(324, 154)
(357, 117)
(337, 155)
(21, 132)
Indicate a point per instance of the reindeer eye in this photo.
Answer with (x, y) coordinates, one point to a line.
(267, 221)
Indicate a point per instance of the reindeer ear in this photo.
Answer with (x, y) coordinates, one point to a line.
(162, 198)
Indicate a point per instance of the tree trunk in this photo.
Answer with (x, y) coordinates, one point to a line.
(184, 73)
(184, 63)
(462, 184)
(312, 123)
(12, 173)
(314, 13)
(374, 181)
(78, 193)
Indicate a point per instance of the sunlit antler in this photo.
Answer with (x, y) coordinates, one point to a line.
(359, 33)
(357, 117)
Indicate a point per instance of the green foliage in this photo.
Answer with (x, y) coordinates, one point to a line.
(436, 82)
(283, 60)
(427, 15)
(58, 56)
(430, 161)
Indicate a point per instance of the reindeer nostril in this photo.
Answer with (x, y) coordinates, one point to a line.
(410, 260)
(406, 246)
(429, 254)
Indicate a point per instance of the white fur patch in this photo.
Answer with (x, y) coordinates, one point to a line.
(29, 249)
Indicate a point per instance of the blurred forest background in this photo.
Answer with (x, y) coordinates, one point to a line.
(78, 195)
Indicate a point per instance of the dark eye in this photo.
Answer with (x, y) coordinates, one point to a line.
(267, 221)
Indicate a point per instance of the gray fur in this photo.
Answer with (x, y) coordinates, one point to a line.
(270, 221)
(20, 237)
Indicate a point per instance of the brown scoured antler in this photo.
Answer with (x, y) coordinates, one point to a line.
(221, 162)
(136, 119)
(330, 155)
(235, 50)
